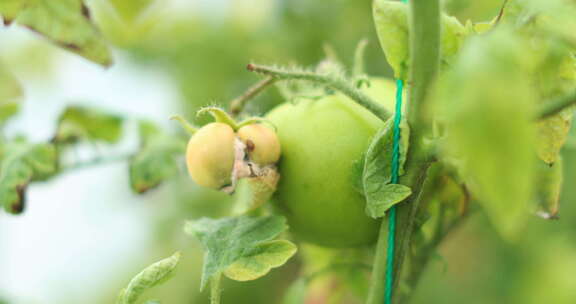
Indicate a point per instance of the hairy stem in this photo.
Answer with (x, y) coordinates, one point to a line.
(237, 105)
(336, 83)
(554, 107)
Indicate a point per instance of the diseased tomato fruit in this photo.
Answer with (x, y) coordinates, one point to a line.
(210, 155)
(261, 143)
(321, 140)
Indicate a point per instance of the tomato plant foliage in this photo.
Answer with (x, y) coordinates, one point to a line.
(486, 117)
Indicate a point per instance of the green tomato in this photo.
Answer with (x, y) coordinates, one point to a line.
(321, 140)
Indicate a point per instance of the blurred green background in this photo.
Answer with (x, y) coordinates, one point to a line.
(175, 56)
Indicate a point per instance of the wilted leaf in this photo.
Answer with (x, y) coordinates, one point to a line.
(260, 259)
(153, 275)
(155, 162)
(388, 196)
(391, 19)
(227, 240)
(67, 23)
(488, 104)
(21, 164)
(83, 123)
(380, 195)
(10, 95)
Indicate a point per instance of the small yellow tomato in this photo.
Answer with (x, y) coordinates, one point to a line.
(210, 155)
(261, 142)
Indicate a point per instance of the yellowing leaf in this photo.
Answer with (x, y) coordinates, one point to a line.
(259, 260)
(67, 23)
(78, 123)
(21, 164)
(153, 275)
(10, 95)
(552, 135)
(155, 162)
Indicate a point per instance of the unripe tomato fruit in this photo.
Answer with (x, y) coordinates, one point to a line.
(261, 143)
(210, 155)
(321, 140)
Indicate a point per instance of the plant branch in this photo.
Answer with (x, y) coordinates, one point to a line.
(336, 83)
(237, 105)
(554, 107)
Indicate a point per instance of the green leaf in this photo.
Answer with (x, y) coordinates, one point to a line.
(388, 196)
(377, 175)
(227, 240)
(155, 162)
(152, 302)
(488, 105)
(153, 275)
(67, 23)
(83, 123)
(296, 293)
(391, 20)
(21, 164)
(260, 259)
(10, 95)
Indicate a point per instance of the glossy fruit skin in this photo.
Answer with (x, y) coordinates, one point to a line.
(210, 155)
(262, 143)
(321, 140)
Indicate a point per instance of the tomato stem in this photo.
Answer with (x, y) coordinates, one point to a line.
(425, 59)
(337, 83)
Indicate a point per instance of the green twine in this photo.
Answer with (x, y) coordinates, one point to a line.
(394, 180)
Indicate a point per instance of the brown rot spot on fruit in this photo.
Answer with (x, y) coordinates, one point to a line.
(250, 146)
